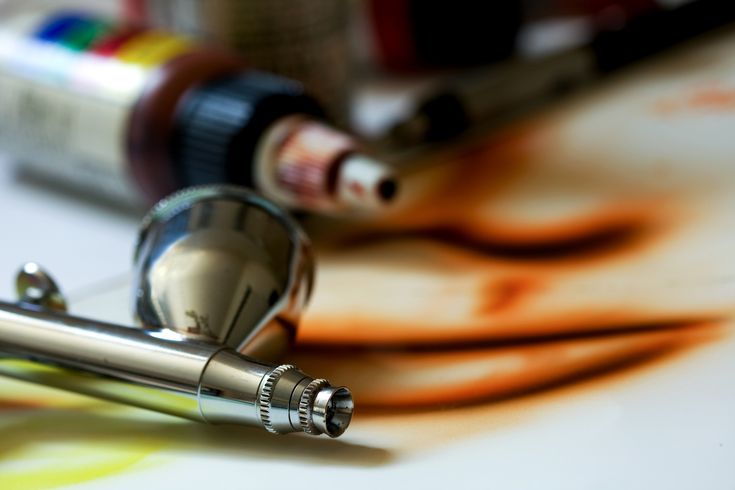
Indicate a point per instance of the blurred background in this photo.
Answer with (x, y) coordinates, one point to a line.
(554, 272)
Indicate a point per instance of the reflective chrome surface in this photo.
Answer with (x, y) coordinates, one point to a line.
(131, 365)
(159, 370)
(222, 263)
(35, 287)
(219, 272)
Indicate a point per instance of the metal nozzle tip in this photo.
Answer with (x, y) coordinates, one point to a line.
(365, 183)
(309, 165)
(387, 189)
(290, 401)
(332, 410)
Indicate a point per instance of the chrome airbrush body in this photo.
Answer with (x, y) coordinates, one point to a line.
(221, 277)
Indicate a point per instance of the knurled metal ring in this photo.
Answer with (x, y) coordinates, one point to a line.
(307, 402)
(266, 395)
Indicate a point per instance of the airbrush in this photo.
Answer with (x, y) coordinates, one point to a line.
(220, 278)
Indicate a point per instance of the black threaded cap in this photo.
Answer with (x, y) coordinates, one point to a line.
(218, 125)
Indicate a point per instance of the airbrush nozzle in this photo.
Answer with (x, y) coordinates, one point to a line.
(196, 355)
(309, 165)
(291, 401)
(163, 371)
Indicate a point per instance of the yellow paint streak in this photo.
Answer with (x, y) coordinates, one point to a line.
(59, 465)
(65, 439)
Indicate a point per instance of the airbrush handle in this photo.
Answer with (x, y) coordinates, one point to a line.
(164, 371)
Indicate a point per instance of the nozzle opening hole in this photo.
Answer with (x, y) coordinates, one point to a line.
(339, 412)
(387, 189)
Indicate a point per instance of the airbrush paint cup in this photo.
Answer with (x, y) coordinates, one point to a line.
(209, 330)
(133, 114)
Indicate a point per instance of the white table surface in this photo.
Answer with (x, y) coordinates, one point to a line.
(670, 425)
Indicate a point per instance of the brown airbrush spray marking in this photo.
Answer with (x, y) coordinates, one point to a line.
(503, 286)
(455, 200)
(412, 379)
(507, 294)
(588, 240)
(419, 429)
(713, 98)
(493, 308)
(438, 185)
